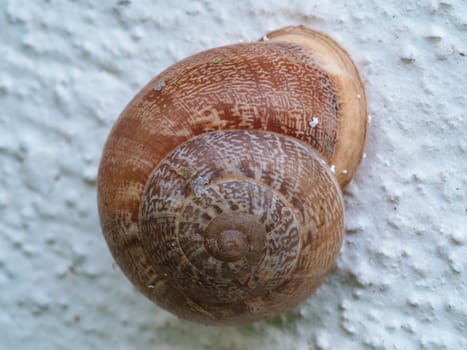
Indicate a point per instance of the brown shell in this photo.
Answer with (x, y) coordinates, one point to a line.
(215, 194)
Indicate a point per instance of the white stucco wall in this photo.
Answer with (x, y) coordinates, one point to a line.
(67, 69)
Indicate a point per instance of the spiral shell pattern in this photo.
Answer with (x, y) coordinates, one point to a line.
(230, 217)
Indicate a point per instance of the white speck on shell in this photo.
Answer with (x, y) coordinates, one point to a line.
(314, 122)
(198, 185)
(159, 85)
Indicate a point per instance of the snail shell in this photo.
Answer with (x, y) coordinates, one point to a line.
(215, 189)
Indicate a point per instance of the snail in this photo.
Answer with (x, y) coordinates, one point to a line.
(219, 187)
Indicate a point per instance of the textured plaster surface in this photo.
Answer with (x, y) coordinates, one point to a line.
(67, 69)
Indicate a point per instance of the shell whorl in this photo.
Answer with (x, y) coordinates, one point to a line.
(264, 193)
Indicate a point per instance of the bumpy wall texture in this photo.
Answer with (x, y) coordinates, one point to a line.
(68, 68)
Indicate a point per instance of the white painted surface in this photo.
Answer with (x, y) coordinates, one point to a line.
(67, 68)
